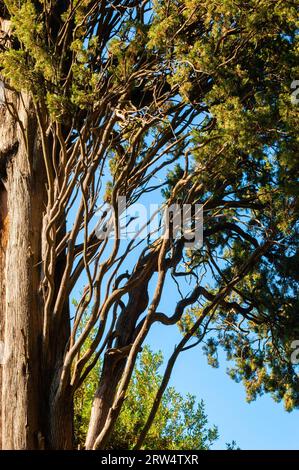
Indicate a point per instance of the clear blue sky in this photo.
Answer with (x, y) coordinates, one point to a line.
(262, 424)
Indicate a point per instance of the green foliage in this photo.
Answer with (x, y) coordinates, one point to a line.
(230, 65)
(27, 67)
(248, 55)
(180, 423)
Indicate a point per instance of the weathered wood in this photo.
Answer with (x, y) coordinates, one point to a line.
(32, 415)
(22, 315)
(4, 227)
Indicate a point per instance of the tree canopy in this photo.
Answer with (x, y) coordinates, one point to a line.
(191, 101)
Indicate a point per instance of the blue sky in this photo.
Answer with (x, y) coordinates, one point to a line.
(262, 424)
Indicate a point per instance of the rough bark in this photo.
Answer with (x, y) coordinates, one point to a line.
(32, 416)
(59, 414)
(3, 244)
(22, 316)
(104, 397)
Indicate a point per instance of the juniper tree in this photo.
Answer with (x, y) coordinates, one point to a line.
(105, 99)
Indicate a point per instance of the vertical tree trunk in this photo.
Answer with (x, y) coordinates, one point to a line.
(59, 425)
(104, 397)
(3, 244)
(21, 161)
(32, 416)
(115, 360)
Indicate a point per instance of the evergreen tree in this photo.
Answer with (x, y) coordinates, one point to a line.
(101, 100)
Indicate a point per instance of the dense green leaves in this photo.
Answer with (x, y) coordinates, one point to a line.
(181, 422)
(250, 53)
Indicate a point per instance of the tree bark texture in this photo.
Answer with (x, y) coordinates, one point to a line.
(33, 415)
(22, 303)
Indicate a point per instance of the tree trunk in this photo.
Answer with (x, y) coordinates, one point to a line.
(3, 244)
(104, 397)
(22, 307)
(32, 416)
(115, 360)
